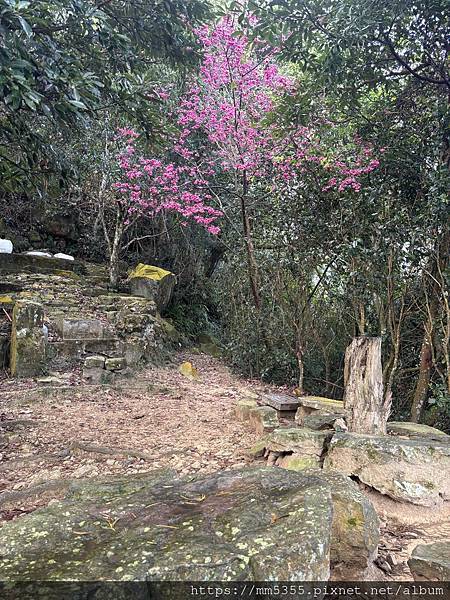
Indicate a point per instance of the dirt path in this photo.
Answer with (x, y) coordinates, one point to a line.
(158, 418)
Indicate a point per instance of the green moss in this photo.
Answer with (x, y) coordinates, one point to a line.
(68, 274)
(354, 522)
(300, 463)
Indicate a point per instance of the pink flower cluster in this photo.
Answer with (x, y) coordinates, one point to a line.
(149, 186)
(226, 125)
(231, 104)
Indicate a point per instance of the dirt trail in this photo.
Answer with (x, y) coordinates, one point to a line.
(158, 418)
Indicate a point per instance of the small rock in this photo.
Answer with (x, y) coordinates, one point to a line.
(95, 361)
(392, 560)
(115, 364)
(383, 565)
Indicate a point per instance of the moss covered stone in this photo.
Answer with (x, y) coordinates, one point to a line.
(253, 524)
(316, 405)
(408, 470)
(27, 351)
(304, 446)
(263, 419)
(431, 562)
(153, 283)
(257, 524)
(243, 407)
(415, 430)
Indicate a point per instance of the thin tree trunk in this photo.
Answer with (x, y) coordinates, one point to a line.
(423, 381)
(115, 251)
(367, 408)
(301, 368)
(252, 264)
(439, 265)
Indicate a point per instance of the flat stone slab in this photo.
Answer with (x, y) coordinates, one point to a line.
(415, 430)
(281, 402)
(310, 405)
(431, 562)
(408, 470)
(249, 524)
(323, 404)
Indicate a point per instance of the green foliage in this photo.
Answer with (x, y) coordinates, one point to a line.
(64, 60)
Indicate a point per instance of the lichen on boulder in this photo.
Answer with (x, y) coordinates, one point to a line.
(407, 470)
(153, 283)
(296, 448)
(252, 524)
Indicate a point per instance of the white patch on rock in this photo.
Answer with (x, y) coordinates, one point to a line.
(64, 256)
(38, 253)
(6, 246)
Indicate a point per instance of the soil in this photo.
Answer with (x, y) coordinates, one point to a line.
(58, 429)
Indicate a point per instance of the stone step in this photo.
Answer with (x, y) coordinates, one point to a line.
(82, 329)
(80, 348)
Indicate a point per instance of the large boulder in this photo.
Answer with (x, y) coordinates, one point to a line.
(408, 470)
(416, 430)
(252, 524)
(152, 283)
(431, 562)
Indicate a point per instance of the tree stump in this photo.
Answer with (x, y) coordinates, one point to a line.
(366, 408)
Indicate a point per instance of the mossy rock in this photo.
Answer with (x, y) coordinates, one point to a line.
(431, 562)
(248, 524)
(153, 283)
(416, 430)
(407, 470)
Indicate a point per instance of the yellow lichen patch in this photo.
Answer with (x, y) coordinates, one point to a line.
(6, 300)
(67, 274)
(188, 370)
(149, 272)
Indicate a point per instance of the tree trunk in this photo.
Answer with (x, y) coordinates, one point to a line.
(423, 381)
(435, 292)
(115, 251)
(301, 368)
(367, 409)
(252, 265)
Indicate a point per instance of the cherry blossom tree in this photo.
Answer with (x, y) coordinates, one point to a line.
(227, 127)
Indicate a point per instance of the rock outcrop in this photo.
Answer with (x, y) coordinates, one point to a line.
(153, 283)
(431, 562)
(251, 524)
(407, 470)
(82, 316)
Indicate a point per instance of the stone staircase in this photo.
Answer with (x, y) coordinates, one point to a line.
(84, 319)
